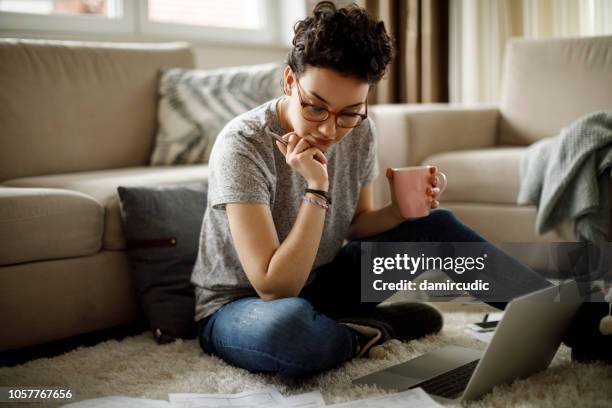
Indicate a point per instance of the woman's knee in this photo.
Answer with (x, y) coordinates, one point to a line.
(306, 340)
(449, 227)
(256, 320)
(438, 222)
(442, 216)
(286, 336)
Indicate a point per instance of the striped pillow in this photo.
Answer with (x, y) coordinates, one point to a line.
(194, 105)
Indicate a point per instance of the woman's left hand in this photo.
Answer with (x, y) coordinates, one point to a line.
(433, 192)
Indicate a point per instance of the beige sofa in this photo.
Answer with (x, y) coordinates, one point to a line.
(547, 84)
(79, 119)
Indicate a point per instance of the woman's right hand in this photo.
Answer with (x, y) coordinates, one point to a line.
(307, 160)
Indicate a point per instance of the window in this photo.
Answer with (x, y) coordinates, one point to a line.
(98, 16)
(246, 21)
(251, 21)
(245, 14)
(100, 8)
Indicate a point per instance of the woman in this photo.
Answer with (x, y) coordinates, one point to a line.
(276, 290)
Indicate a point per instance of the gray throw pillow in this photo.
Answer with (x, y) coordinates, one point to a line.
(162, 229)
(194, 105)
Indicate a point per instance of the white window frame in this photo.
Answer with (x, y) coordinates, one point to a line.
(267, 35)
(134, 24)
(79, 24)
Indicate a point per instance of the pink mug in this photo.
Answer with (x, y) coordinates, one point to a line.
(410, 185)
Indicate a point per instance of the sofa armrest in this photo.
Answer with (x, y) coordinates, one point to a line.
(409, 133)
(412, 133)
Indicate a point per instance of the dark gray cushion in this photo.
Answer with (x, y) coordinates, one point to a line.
(162, 228)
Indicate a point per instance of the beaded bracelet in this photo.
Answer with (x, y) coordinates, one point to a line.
(320, 193)
(315, 202)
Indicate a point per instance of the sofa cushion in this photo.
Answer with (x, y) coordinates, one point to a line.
(162, 231)
(480, 176)
(71, 106)
(549, 83)
(195, 105)
(102, 186)
(506, 223)
(40, 224)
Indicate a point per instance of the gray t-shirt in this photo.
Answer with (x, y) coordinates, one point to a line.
(245, 166)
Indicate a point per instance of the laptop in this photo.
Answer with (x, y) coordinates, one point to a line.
(524, 343)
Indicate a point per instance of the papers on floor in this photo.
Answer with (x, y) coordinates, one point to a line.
(266, 397)
(119, 402)
(411, 398)
(309, 400)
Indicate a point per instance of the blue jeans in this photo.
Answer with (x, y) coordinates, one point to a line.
(299, 336)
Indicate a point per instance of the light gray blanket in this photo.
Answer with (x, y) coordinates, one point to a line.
(567, 177)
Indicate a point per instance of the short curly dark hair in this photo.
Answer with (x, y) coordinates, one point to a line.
(347, 40)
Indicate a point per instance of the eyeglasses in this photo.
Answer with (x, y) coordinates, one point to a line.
(316, 113)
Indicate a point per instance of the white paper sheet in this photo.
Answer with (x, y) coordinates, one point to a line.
(411, 398)
(312, 399)
(267, 397)
(496, 316)
(118, 402)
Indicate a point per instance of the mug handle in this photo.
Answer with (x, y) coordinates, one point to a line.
(441, 186)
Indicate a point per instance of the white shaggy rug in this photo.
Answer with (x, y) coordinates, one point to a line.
(138, 367)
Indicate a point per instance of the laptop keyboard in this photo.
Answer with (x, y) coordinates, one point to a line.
(452, 383)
